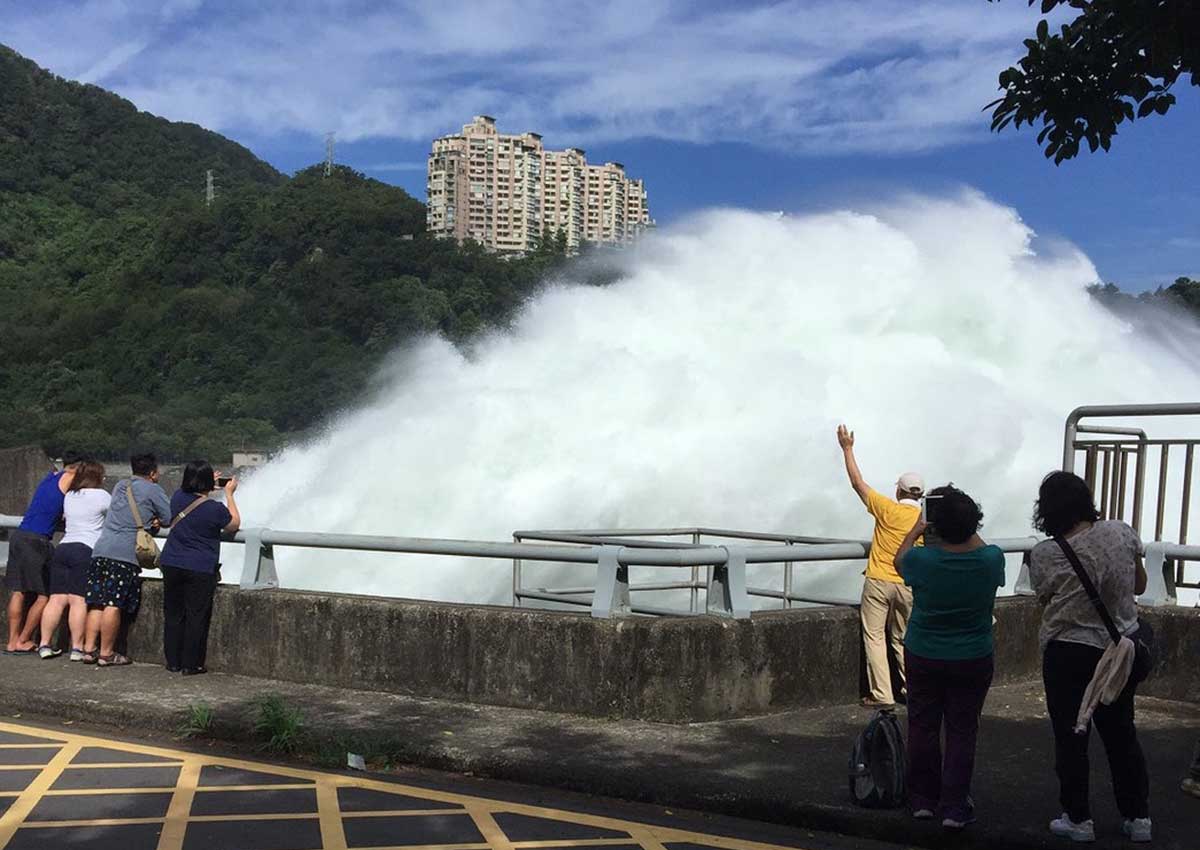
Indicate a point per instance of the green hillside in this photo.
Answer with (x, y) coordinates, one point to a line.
(133, 315)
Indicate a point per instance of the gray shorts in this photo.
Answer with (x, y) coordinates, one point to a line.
(28, 562)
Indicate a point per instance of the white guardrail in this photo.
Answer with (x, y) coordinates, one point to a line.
(727, 591)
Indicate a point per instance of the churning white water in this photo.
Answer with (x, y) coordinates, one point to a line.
(704, 387)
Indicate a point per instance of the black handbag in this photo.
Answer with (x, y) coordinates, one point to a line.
(1143, 638)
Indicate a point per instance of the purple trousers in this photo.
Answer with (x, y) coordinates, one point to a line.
(946, 694)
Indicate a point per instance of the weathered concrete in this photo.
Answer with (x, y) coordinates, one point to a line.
(20, 471)
(1177, 636)
(672, 670)
(785, 768)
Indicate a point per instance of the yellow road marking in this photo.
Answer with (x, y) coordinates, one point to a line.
(333, 834)
(488, 828)
(175, 824)
(20, 809)
(480, 809)
(43, 746)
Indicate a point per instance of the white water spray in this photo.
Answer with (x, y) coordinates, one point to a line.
(704, 388)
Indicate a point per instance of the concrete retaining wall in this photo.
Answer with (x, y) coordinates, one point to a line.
(20, 471)
(672, 670)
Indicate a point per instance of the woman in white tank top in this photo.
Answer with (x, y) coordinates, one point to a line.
(84, 508)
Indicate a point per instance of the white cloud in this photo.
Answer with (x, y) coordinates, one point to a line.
(805, 75)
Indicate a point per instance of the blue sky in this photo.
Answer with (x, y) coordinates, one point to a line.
(782, 105)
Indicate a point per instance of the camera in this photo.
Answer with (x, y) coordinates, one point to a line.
(221, 482)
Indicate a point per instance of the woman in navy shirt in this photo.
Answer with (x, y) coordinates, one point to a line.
(190, 561)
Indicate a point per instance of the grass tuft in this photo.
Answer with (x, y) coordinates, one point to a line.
(277, 724)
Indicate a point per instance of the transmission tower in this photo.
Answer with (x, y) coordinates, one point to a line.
(329, 153)
(209, 191)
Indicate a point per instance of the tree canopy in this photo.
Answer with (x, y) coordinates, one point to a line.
(133, 315)
(1116, 61)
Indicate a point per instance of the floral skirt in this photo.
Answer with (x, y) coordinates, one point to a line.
(114, 584)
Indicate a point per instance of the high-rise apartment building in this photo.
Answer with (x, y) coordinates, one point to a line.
(508, 193)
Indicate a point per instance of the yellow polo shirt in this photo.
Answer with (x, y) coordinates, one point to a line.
(893, 521)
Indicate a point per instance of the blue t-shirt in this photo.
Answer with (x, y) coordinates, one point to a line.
(45, 508)
(195, 540)
(953, 597)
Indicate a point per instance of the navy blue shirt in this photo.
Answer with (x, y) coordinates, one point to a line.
(45, 508)
(195, 540)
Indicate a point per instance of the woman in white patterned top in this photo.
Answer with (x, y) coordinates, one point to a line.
(1074, 637)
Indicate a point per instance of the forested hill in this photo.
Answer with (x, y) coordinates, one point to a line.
(133, 315)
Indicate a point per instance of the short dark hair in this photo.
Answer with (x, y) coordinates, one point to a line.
(954, 515)
(1064, 500)
(143, 464)
(198, 477)
(70, 458)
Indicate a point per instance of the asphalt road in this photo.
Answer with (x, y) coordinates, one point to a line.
(61, 787)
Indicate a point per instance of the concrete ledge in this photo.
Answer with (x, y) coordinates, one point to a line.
(666, 670)
(669, 670)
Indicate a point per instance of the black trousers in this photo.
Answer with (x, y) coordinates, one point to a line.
(187, 612)
(1066, 670)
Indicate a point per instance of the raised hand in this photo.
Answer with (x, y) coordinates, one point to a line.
(845, 437)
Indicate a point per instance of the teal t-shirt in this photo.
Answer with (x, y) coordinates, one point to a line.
(953, 597)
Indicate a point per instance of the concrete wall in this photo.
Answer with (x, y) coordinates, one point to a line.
(1177, 642)
(673, 670)
(20, 471)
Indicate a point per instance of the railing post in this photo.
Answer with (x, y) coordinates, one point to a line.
(1024, 586)
(611, 598)
(516, 577)
(1160, 587)
(258, 569)
(727, 596)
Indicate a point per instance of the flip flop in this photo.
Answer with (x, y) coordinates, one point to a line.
(31, 651)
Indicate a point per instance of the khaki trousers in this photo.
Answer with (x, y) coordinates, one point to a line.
(885, 609)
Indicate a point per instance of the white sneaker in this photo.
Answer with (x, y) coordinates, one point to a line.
(76, 654)
(1064, 827)
(45, 652)
(1137, 829)
(923, 814)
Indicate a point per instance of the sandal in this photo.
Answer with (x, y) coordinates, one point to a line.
(88, 656)
(114, 660)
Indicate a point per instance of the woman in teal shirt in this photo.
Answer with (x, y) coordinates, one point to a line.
(947, 651)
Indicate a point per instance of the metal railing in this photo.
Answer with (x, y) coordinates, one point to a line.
(1118, 453)
(726, 591)
(695, 584)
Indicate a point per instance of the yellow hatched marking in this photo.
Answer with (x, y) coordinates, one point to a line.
(20, 809)
(56, 824)
(45, 745)
(480, 809)
(402, 813)
(488, 827)
(24, 766)
(175, 823)
(574, 842)
(333, 834)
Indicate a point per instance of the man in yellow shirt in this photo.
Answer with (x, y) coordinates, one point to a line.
(886, 601)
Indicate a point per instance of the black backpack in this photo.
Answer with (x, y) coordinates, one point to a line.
(878, 764)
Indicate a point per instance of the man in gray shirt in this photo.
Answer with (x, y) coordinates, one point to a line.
(114, 584)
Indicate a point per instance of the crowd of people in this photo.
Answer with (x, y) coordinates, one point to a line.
(928, 594)
(93, 574)
(931, 582)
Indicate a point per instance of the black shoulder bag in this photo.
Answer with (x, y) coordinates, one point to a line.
(1143, 638)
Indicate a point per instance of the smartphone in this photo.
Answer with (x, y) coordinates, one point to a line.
(930, 537)
(221, 482)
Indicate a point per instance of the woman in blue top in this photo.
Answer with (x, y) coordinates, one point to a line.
(947, 651)
(190, 561)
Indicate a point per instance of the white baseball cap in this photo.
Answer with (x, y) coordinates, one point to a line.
(911, 482)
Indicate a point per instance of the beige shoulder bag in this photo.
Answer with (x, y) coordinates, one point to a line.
(146, 546)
